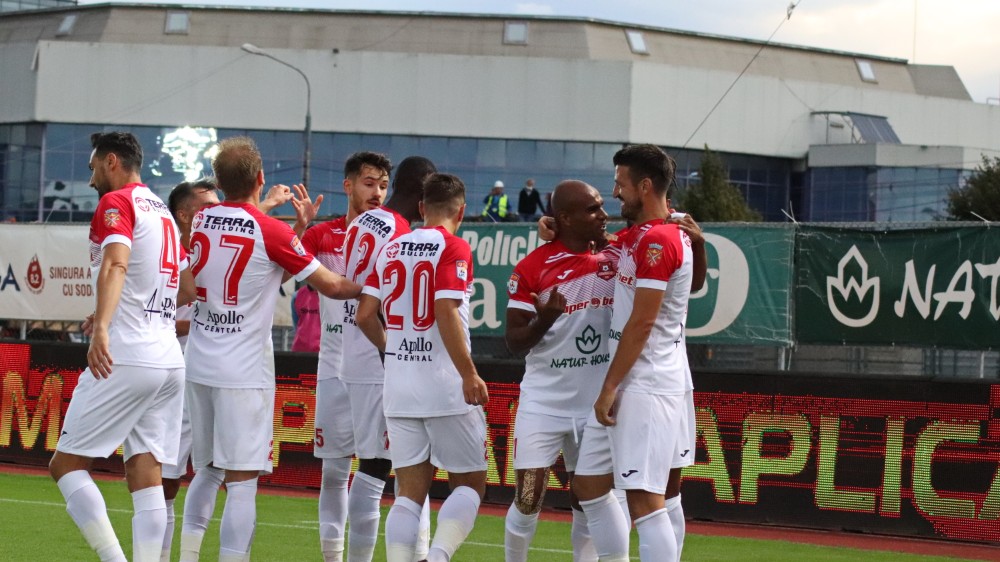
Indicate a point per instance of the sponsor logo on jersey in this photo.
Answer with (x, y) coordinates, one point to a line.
(142, 204)
(562, 276)
(588, 341)
(375, 224)
(296, 245)
(462, 270)
(196, 222)
(413, 351)
(512, 283)
(419, 344)
(230, 224)
(605, 269)
(419, 249)
(392, 251)
(614, 334)
(34, 279)
(111, 217)
(653, 254)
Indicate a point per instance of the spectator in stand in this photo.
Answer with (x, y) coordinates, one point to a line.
(528, 201)
(497, 204)
(305, 306)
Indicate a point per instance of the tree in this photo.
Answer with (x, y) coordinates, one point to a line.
(713, 198)
(981, 194)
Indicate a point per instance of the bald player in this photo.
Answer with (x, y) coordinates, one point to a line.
(559, 313)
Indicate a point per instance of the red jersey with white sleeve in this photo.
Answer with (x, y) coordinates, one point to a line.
(656, 256)
(367, 234)
(142, 331)
(240, 256)
(564, 371)
(410, 274)
(326, 242)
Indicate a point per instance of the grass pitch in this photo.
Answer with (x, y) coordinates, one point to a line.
(35, 526)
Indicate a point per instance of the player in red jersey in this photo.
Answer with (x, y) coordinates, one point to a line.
(648, 384)
(131, 393)
(362, 372)
(421, 283)
(559, 312)
(240, 258)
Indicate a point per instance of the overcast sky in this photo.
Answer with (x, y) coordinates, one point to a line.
(961, 33)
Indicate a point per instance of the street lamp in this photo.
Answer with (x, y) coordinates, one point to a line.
(255, 50)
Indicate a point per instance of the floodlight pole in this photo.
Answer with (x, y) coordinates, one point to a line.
(307, 156)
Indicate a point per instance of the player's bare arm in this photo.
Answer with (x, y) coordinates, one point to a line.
(305, 208)
(110, 281)
(277, 196)
(449, 324)
(525, 329)
(369, 322)
(187, 291)
(334, 286)
(700, 258)
(633, 339)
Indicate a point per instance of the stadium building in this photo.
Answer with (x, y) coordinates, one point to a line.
(822, 135)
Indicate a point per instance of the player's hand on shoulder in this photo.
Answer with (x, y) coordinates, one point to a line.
(475, 391)
(689, 226)
(552, 308)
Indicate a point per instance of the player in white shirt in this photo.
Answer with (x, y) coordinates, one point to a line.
(433, 396)
(131, 392)
(644, 396)
(240, 257)
(559, 312)
(362, 371)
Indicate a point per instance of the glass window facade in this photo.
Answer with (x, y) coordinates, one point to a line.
(19, 5)
(879, 194)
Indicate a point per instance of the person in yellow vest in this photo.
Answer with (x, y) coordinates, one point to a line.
(497, 204)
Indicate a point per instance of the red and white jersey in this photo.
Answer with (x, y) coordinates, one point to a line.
(410, 274)
(368, 233)
(142, 331)
(326, 242)
(239, 257)
(185, 312)
(656, 256)
(565, 370)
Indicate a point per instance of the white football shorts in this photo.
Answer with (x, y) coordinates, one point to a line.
(649, 434)
(137, 407)
(179, 469)
(334, 426)
(595, 449)
(371, 436)
(455, 443)
(231, 428)
(538, 438)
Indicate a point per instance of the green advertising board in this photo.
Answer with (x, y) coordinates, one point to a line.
(929, 287)
(745, 300)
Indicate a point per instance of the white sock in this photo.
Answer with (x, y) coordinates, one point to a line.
(608, 527)
(656, 537)
(239, 518)
(583, 546)
(148, 524)
(168, 533)
(622, 498)
(363, 511)
(401, 530)
(676, 513)
(86, 507)
(333, 508)
(424, 533)
(519, 529)
(455, 522)
(199, 504)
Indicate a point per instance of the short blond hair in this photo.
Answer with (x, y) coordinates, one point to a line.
(236, 167)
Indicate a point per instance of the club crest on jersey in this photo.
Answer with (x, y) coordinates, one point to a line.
(512, 283)
(462, 270)
(142, 204)
(653, 254)
(605, 270)
(392, 251)
(196, 222)
(297, 246)
(111, 217)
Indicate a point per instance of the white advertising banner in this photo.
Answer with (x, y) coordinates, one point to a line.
(45, 274)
